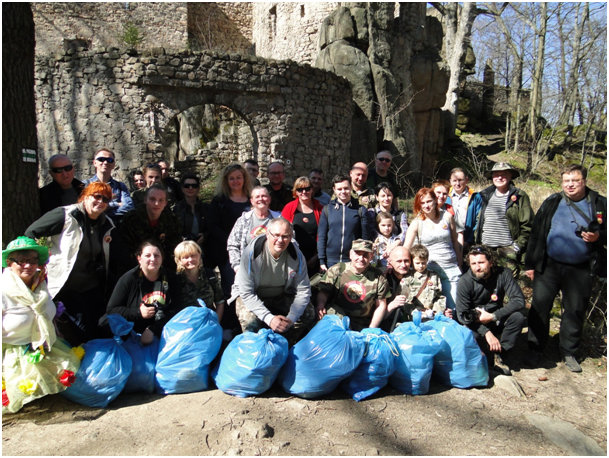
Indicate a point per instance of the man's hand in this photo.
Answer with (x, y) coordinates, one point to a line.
(493, 342)
(485, 317)
(320, 311)
(399, 301)
(530, 274)
(147, 337)
(147, 311)
(590, 237)
(280, 324)
(323, 268)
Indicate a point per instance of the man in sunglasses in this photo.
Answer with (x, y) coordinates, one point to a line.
(380, 173)
(104, 162)
(64, 189)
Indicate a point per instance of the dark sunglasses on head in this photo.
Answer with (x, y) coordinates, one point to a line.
(101, 197)
(305, 189)
(109, 160)
(190, 185)
(383, 159)
(65, 168)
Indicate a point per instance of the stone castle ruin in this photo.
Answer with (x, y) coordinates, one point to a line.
(204, 84)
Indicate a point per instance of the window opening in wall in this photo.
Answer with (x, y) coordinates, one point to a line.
(302, 11)
(273, 21)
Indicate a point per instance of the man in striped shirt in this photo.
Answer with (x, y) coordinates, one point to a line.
(501, 217)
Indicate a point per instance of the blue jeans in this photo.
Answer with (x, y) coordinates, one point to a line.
(449, 277)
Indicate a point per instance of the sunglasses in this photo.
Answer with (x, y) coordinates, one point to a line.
(24, 262)
(305, 189)
(65, 168)
(101, 197)
(109, 160)
(190, 185)
(383, 159)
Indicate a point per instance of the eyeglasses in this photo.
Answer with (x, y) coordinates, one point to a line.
(190, 185)
(109, 160)
(101, 197)
(280, 236)
(65, 168)
(276, 173)
(24, 262)
(305, 189)
(383, 159)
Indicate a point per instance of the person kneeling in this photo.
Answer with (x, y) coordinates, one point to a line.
(355, 289)
(480, 295)
(272, 287)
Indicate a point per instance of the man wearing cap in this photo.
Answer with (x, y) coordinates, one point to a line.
(272, 288)
(380, 173)
(64, 189)
(358, 175)
(104, 162)
(354, 289)
(567, 250)
(481, 294)
(501, 217)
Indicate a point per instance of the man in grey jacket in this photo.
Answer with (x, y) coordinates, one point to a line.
(272, 287)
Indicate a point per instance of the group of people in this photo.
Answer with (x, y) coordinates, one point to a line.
(288, 255)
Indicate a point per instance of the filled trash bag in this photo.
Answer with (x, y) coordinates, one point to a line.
(143, 358)
(379, 362)
(104, 369)
(329, 353)
(29, 374)
(189, 343)
(460, 362)
(250, 363)
(417, 350)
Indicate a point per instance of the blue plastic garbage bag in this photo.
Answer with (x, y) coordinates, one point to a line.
(143, 358)
(417, 350)
(189, 343)
(250, 363)
(460, 362)
(329, 353)
(379, 362)
(104, 369)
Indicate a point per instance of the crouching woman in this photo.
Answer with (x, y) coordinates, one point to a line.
(34, 362)
(143, 294)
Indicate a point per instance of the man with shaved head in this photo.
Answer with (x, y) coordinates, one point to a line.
(398, 265)
(64, 189)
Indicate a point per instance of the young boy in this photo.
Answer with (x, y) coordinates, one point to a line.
(385, 241)
(423, 288)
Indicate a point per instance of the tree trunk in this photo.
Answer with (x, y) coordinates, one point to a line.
(536, 89)
(19, 178)
(457, 29)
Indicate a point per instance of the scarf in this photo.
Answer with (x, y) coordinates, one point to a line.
(43, 331)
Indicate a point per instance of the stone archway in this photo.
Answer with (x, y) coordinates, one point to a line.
(125, 101)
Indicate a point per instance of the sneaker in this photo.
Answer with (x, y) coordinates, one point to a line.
(501, 366)
(572, 364)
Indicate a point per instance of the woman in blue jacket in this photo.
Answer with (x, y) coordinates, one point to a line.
(342, 221)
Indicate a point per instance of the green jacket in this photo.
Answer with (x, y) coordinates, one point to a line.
(519, 214)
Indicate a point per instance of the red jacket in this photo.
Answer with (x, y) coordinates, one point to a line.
(290, 209)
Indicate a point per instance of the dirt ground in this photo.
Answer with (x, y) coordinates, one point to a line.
(489, 421)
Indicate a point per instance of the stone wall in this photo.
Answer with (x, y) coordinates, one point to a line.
(222, 26)
(101, 24)
(289, 30)
(128, 103)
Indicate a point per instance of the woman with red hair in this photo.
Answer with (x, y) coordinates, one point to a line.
(79, 272)
(435, 229)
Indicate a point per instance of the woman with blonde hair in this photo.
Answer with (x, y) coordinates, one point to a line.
(231, 200)
(194, 282)
(83, 267)
(304, 213)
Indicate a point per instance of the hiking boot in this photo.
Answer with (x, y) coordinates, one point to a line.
(501, 366)
(572, 364)
(533, 359)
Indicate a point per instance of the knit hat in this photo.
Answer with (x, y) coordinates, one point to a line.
(22, 244)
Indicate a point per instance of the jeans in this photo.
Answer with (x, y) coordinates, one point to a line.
(449, 277)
